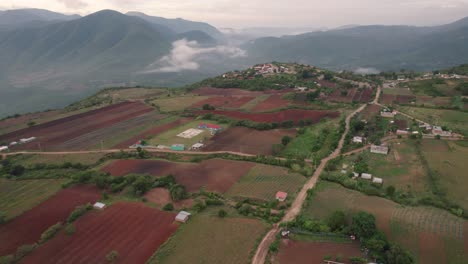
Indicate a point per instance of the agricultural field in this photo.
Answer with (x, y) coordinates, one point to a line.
(273, 102)
(171, 137)
(434, 87)
(246, 140)
(177, 103)
(301, 251)
(133, 230)
(454, 120)
(28, 227)
(295, 115)
(207, 238)
(215, 175)
(448, 159)
(50, 135)
(352, 95)
(408, 226)
(224, 102)
(17, 197)
(263, 181)
(85, 159)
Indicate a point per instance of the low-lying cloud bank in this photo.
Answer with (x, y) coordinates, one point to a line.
(184, 55)
(365, 71)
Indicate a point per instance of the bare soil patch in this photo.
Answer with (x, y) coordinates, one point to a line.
(215, 174)
(134, 230)
(28, 227)
(246, 140)
(161, 197)
(273, 102)
(233, 102)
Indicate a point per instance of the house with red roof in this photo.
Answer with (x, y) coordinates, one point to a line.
(281, 196)
(211, 127)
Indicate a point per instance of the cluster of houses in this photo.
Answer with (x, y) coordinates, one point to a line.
(19, 142)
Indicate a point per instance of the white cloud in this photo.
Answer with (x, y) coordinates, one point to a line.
(184, 55)
(365, 71)
(73, 4)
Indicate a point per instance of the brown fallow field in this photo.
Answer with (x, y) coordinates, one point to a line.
(28, 227)
(287, 115)
(215, 175)
(59, 131)
(237, 92)
(233, 102)
(133, 230)
(273, 102)
(246, 140)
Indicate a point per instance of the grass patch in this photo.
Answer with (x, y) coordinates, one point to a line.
(85, 159)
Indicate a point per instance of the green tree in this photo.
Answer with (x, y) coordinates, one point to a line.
(336, 221)
(363, 225)
(286, 140)
(390, 190)
(178, 192)
(222, 213)
(397, 255)
(142, 184)
(168, 207)
(17, 170)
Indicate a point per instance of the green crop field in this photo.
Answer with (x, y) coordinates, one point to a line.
(417, 228)
(170, 137)
(206, 238)
(263, 181)
(86, 159)
(17, 197)
(454, 120)
(448, 160)
(434, 87)
(173, 104)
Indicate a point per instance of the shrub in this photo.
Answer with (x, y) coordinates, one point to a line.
(70, 229)
(199, 206)
(17, 170)
(168, 207)
(24, 250)
(178, 192)
(285, 140)
(390, 190)
(336, 221)
(78, 212)
(222, 213)
(213, 202)
(3, 217)
(357, 260)
(112, 256)
(50, 232)
(274, 246)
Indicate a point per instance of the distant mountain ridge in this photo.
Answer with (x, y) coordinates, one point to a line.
(20, 17)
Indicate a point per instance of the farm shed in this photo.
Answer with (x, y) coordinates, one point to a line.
(281, 196)
(99, 205)
(366, 176)
(182, 216)
(211, 127)
(388, 114)
(401, 132)
(197, 146)
(27, 140)
(358, 139)
(14, 143)
(377, 180)
(178, 147)
(379, 149)
(3, 148)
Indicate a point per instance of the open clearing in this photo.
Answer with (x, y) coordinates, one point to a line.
(206, 238)
(62, 130)
(17, 197)
(190, 133)
(28, 227)
(295, 115)
(215, 175)
(454, 120)
(408, 226)
(171, 137)
(297, 252)
(448, 160)
(134, 230)
(179, 103)
(263, 181)
(246, 140)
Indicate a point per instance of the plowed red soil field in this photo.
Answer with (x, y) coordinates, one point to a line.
(134, 230)
(353, 95)
(58, 131)
(291, 114)
(233, 102)
(215, 174)
(405, 99)
(295, 252)
(28, 227)
(154, 131)
(246, 140)
(275, 101)
(388, 98)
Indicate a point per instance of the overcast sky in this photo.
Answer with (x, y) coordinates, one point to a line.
(271, 13)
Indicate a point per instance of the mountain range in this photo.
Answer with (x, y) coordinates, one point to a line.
(49, 59)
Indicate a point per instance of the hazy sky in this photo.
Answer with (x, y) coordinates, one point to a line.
(271, 13)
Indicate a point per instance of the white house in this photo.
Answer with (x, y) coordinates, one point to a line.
(358, 139)
(99, 205)
(27, 140)
(401, 132)
(182, 216)
(379, 149)
(3, 148)
(197, 146)
(377, 180)
(366, 176)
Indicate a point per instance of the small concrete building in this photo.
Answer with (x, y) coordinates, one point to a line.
(388, 114)
(3, 148)
(379, 149)
(182, 217)
(178, 147)
(197, 146)
(377, 180)
(281, 196)
(27, 140)
(14, 143)
(358, 140)
(99, 206)
(366, 176)
(401, 132)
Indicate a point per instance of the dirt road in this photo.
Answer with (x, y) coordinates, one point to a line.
(294, 210)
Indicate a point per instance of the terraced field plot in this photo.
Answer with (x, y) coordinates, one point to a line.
(206, 238)
(134, 230)
(262, 182)
(17, 197)
(86, 159)
(179, 103)
(411, 226)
